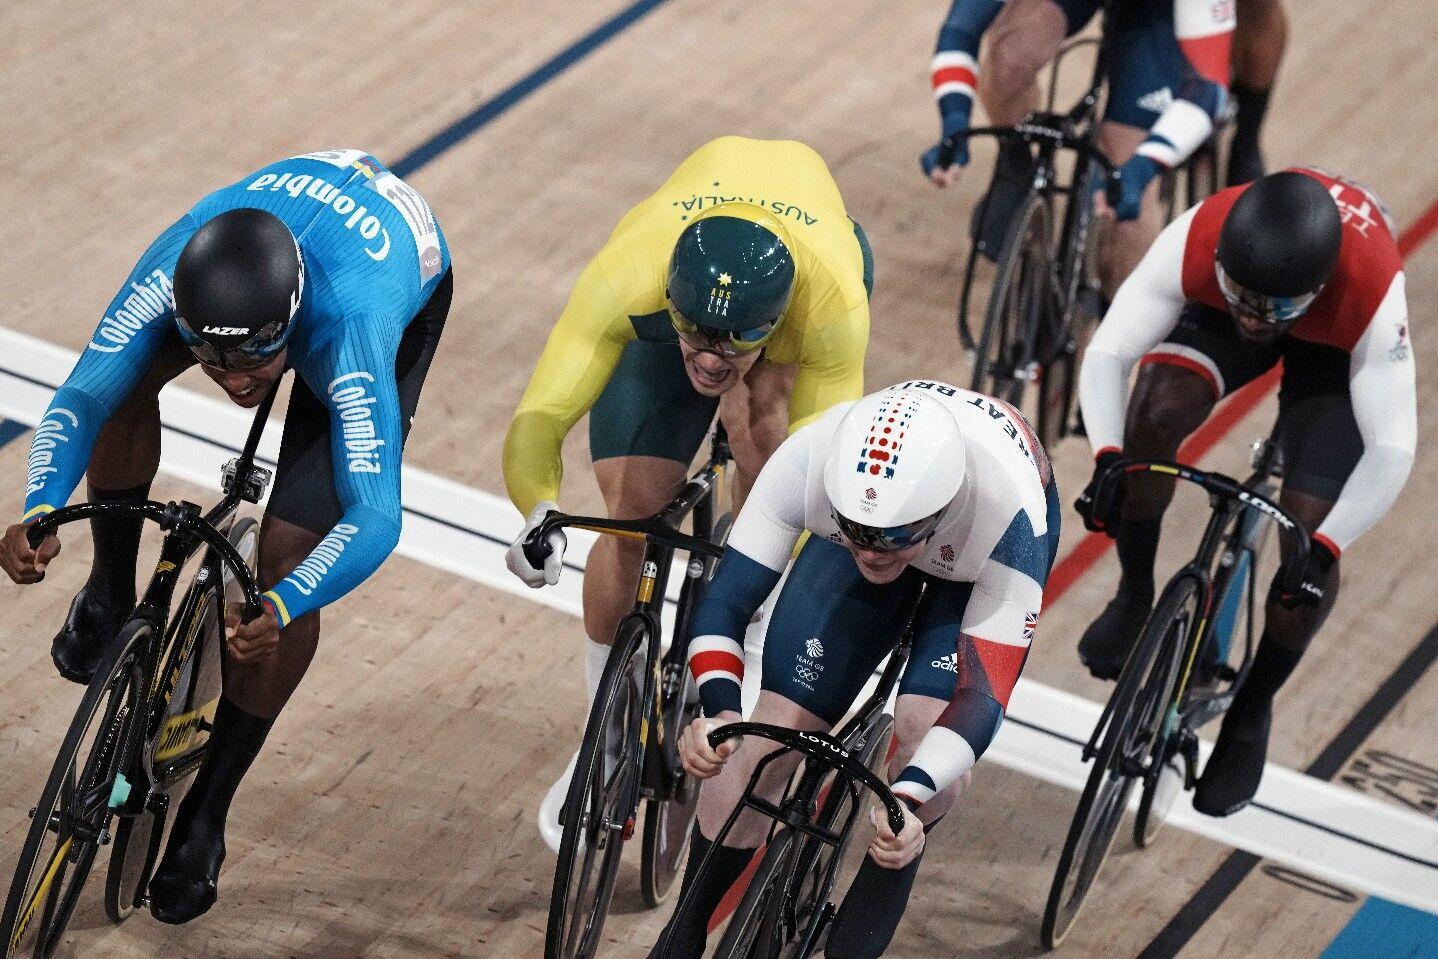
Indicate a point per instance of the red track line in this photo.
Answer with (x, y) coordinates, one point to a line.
(1093, 546)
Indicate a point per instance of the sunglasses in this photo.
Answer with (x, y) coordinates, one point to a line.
(886, 539)
(1273, 310)
(723, 342)
(256, 352)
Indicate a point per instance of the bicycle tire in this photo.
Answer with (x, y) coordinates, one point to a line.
(1159, 787)
(750, 930)
(137, 840)
(107, 697)
(613, 728)
(668, 820)
(818, 862)
(1063, 907)
(1023, 276)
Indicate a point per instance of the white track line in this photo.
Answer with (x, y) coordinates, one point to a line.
(1334, 833)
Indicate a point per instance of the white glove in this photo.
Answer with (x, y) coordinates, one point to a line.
(519, 564)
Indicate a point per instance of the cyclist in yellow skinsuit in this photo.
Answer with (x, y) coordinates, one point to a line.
(741, 286)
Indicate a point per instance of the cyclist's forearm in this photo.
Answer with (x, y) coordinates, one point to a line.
(346, 557)
(954, 71)
(951, 747)
(60, 449)
(533, 466)
(716, 654)
(1144, 311)
(1384, 396)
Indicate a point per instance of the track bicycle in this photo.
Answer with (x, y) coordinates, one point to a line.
(787, 909)
(144, 721)
(1177, 676)
(1043, 295)
(646, 696)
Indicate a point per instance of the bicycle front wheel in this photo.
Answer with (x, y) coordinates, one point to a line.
(71, 821)
(1136, 715)
(818, 862)
(597, 810)
(756, 930)
(1018, 306)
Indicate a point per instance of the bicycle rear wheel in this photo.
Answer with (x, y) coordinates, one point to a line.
(1018, 306)
(597, 810)
(667, 821)
(756, 930)
(1135, 715)
(77, 805)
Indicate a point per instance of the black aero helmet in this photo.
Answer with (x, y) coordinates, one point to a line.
(238, 284)
(731, 277)
(1278, 247)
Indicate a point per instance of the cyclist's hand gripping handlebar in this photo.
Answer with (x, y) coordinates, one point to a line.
(828, 751)
(170, 516)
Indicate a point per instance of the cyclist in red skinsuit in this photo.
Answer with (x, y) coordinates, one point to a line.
(1347, 421)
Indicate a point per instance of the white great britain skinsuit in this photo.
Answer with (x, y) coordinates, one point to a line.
(995, 535)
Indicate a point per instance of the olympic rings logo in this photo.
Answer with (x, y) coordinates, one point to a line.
(806, 674)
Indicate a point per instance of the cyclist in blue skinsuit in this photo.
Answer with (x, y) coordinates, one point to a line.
(355, 265)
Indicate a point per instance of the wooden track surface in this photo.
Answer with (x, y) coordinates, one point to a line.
(392, 812)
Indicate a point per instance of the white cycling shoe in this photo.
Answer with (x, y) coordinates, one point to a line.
(548, 819)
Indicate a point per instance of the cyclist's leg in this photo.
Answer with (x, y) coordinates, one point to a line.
(1321, 445)
(877, 898)
(1145, 73)
(1178, 385)
(1022, 41)
(302, 508)
(122, 466)
(755, 414)
(828, 631)
(1258, 45)
(643, 434)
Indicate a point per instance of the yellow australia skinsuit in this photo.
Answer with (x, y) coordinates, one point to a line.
(616, 318)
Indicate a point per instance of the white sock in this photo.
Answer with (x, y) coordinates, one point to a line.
(595, 656)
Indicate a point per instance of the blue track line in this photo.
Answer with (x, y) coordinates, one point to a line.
(501, 102)
(10, 430)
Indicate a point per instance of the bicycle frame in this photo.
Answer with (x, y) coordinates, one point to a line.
(803, 808)
(662, 539)
(1230, 501)
(186, 533)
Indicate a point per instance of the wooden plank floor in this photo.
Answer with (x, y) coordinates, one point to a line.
(392, 814)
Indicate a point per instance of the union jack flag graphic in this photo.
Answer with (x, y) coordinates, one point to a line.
(1031, 623)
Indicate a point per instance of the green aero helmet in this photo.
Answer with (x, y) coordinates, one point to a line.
(731, 278)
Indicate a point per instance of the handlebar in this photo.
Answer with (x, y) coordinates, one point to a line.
(655, 528)
(824, 748)
(1215, 484)
(169, 516)
(1055, 129)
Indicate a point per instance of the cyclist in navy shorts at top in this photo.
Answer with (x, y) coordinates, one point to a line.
(1300, 267)
(326, 263)
(1167, 83)
(923, 479)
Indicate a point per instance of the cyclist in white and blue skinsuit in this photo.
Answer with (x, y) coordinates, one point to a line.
(920, 481)
(372, 292)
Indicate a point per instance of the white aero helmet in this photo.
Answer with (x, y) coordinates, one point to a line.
(896, 460)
